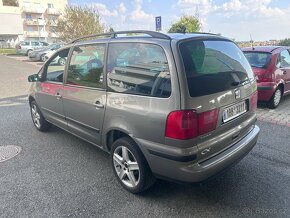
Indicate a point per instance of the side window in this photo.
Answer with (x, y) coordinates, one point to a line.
(138, 68)
(44, 43)
(55, 66)
(283, 59)
(35, 43)
(86, 66)
(25, 43)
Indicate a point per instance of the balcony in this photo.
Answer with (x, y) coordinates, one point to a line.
(34, 22)
(51, 22)
(35, 34)
(33, 10)
(53, 11)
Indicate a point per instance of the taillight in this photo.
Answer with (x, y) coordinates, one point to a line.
(266, 77)
(187, 124)
(253, 101)
(18, 46)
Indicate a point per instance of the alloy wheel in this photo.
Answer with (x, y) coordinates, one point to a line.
(126, 166)
(35, 116)
(277, 97)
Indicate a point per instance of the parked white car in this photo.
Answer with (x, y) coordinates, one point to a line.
(59, 60)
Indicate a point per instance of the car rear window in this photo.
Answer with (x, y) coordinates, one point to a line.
(213, 66)
(258, 59)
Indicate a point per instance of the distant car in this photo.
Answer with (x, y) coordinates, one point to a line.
(39, 54)
(271, 65)
(26, 47)
(58, 60)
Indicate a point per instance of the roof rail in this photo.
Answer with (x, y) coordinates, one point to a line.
(153, 34)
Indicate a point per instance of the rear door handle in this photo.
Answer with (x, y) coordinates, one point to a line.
(98, 105)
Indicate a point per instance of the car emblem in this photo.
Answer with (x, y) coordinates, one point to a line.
(237, 94)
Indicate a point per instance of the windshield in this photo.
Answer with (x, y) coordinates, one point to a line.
(213, 66)
(258, 59)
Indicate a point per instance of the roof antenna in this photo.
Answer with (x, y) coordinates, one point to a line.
(252, 42)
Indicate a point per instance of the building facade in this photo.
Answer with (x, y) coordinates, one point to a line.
(29, 20)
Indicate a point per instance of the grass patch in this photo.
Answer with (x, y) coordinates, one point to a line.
(7, 51)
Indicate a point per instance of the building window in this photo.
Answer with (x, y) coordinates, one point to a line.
(50, 5)
(30, 29)
(28, 16)
(13, 3)
(26, 4)
(36, 5)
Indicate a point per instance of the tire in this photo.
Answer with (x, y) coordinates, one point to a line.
(61, 61)
(28, 51)
(276, 99)
(38, 120)
(130, 167)
(42, 58)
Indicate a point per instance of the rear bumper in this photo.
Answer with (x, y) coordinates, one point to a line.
(34, 58)
(185, 170)
(266, 91)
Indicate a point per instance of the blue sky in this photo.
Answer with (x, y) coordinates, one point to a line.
(237, 19)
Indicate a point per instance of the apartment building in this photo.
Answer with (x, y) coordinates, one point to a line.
(11, 27)
(29, 20)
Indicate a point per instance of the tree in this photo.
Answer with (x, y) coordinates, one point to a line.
(285, 42)
(186, 24)
(78, 21)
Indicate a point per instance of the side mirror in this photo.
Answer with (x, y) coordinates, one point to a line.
(33, 78)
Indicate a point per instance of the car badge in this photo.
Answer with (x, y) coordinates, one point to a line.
(237, 94)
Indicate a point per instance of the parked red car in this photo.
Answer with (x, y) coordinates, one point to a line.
(271, 65)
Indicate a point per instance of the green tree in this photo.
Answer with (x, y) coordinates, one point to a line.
(186, 24)
(78, 21)
(285, 42)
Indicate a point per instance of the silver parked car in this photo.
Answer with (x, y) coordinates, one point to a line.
(179, 107)
(39, 54)
(26, 47)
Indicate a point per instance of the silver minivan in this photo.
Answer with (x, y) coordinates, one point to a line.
(26, 47)
(180, 107)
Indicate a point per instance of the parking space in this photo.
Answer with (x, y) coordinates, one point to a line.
(280, 115)
(25, 59)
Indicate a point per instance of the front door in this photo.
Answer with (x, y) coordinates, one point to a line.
(51, 90)
(84, 96)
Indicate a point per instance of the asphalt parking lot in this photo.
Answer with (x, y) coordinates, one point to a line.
(59, 175)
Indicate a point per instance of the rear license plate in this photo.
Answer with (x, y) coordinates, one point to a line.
(234, 111)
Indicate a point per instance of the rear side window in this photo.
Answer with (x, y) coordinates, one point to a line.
(35, 43)
(283, 59)
(139, 69)
(213, 66)
(258, 59)
(25, 43)
(86, 66)
(44, 43)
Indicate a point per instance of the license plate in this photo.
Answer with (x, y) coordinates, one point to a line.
(234, 111)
